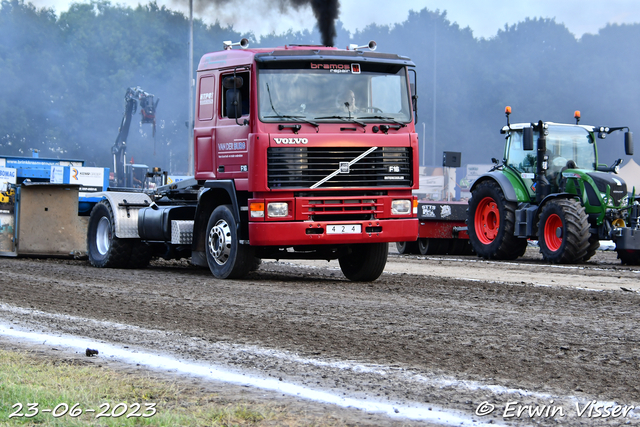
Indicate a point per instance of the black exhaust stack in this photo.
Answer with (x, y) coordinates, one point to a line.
(542, 184)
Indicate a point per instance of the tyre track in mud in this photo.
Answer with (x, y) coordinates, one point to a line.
(560, 341)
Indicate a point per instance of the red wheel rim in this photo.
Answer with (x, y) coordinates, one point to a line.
(487, 220)
(553, 232)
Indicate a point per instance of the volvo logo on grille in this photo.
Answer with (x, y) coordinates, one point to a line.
(291, 140)
(344, 167)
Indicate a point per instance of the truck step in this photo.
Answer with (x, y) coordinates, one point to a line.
(181, 232)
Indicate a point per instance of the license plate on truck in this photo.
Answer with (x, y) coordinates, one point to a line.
(344, 229)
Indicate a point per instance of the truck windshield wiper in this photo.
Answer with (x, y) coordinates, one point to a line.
(295, 118)
(391, 119)
(343, 118)
(281, 116)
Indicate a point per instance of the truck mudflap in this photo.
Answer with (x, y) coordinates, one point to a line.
(125, 207)
(627, 238)
(284, 233)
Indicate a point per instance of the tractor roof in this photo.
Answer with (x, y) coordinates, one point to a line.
(520, 126)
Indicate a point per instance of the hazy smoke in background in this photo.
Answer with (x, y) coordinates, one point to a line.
(325, 11)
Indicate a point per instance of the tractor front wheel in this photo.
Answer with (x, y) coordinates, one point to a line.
(563, 232)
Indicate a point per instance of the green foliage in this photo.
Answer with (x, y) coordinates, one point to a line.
(64, 78)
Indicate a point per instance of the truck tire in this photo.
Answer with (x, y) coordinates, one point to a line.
(365, 262)
(491, 224)
(407, 248)
(105, 249)
(563, 232)
(428, 246)
(628, 257)
(227, 258)
(141, 254)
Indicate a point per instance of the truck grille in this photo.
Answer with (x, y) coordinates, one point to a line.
(338, 209)
(303, 167)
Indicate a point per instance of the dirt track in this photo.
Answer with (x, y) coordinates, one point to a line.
(499, 332)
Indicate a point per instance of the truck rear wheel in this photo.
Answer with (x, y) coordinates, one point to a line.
(407, 247)
(491, 224)
(365, 262)
(563, 232)
(227, 258)
(105, 249)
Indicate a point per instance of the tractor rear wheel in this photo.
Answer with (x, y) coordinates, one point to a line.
(491, 224)
(364, 262)
(563, 232)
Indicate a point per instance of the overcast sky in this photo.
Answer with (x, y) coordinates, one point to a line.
(484, 17)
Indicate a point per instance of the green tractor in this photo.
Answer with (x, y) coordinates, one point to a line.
(555, 192)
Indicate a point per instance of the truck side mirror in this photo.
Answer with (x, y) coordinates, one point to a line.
(414, 97)
(628, 143)
(527, 139)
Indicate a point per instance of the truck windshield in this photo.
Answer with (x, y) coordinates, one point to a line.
(301, 91)
(564, 143)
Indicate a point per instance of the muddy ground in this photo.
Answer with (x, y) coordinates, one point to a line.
(444, 332)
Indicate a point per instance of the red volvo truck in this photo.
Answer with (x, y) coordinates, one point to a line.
(301, 152)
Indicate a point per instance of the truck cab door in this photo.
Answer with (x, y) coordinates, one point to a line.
(231, 132)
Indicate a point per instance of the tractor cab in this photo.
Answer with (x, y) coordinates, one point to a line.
(567, 147)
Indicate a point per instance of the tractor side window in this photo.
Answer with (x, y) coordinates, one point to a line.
(235, 95)
(517, 157)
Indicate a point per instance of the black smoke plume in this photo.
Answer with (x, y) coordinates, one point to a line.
(326, 12)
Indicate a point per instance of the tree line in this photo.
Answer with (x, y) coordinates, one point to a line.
(63, 79)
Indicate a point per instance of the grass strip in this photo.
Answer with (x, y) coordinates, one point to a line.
(71, 389)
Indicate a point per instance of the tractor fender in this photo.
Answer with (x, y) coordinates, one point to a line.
(554, 196)
(504, 183)
(125, 207)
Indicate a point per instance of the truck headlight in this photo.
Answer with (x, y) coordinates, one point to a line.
(277, 209)
(401, 207)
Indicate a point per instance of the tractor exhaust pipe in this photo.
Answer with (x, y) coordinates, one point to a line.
(542, 184)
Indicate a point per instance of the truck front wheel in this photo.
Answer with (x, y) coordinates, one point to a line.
(364, 262)
(105, 249)
(491, 224)
(563, 232)
(227, 258)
